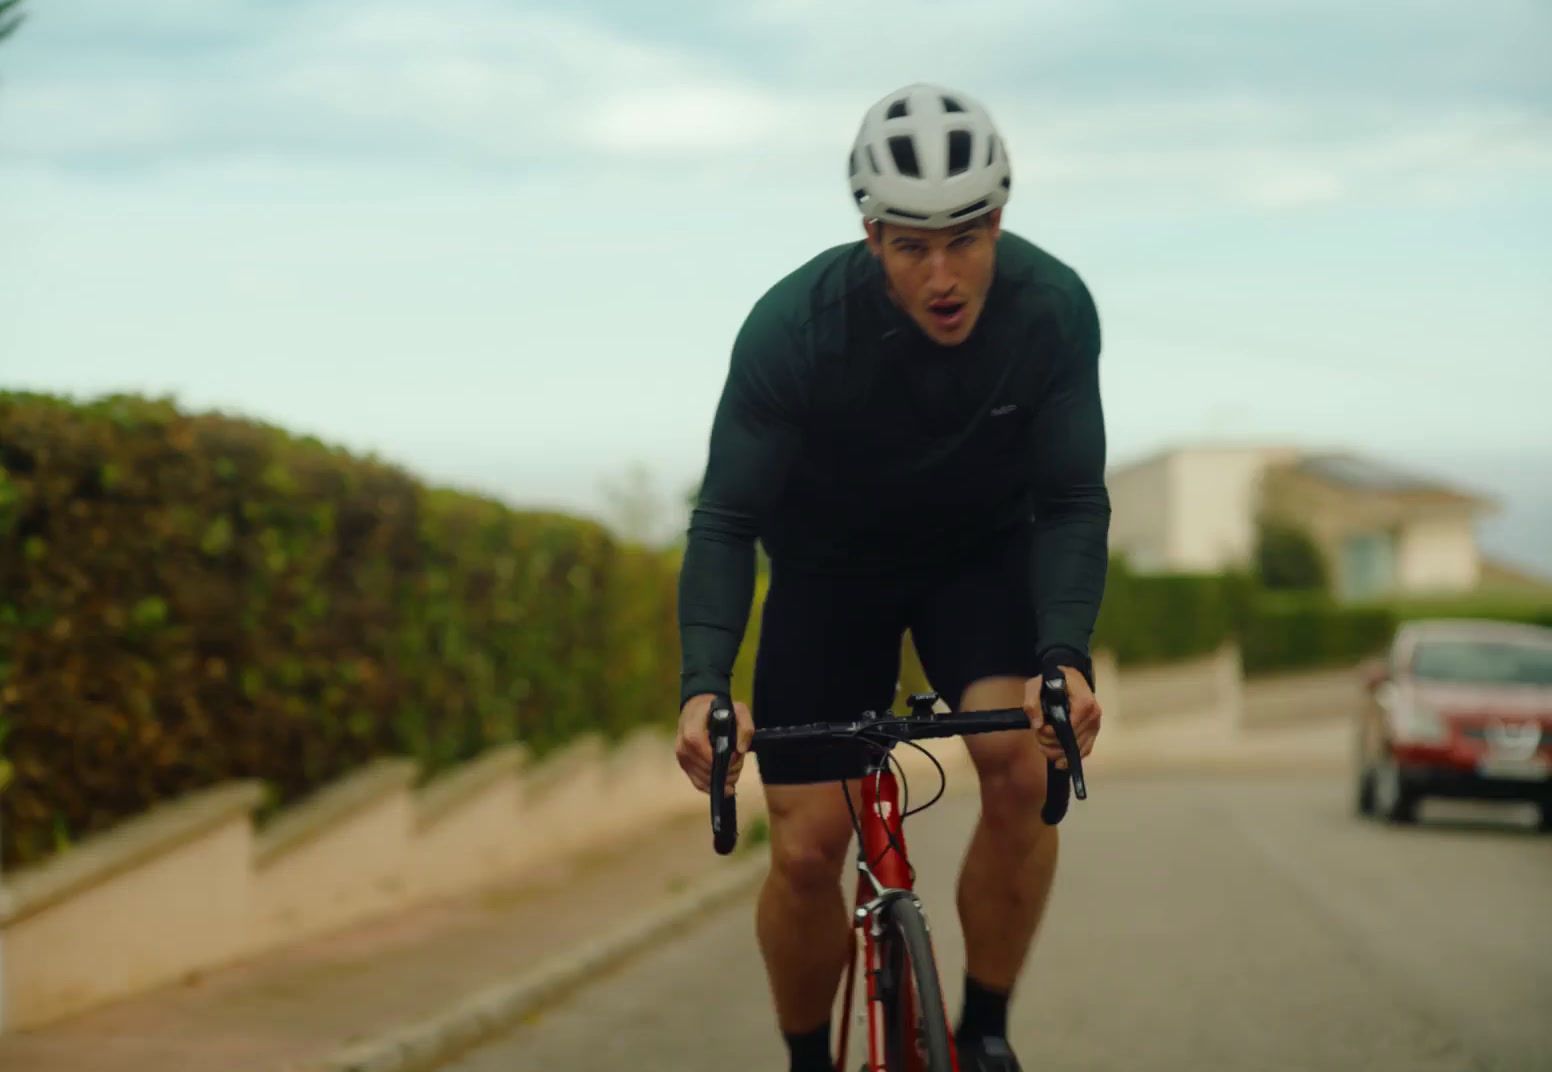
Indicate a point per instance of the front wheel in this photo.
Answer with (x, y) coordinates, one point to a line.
(916, 1035)
(1394, 800)
(1365, 796)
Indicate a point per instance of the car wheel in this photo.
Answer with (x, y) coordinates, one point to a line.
(1365, 798)
(1394, 800)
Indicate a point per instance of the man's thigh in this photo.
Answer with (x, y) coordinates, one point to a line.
(1015, 753)
(829, 650)
(974, 621)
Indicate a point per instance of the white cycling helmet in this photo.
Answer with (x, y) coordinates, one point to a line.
(927, 156)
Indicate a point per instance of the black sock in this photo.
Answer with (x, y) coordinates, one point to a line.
(811, 1050)
(985, 1013)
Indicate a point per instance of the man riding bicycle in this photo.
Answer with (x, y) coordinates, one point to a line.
(911, 425)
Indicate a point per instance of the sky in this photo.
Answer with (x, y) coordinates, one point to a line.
(507, 245)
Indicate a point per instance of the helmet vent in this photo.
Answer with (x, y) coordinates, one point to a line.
(931, 147)
(904, 152)
(958, 152)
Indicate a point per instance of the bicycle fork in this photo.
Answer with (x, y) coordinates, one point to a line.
(883, 874)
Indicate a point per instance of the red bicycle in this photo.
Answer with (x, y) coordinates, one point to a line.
(908, 1029)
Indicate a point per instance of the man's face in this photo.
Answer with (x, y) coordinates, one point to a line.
(940, 278)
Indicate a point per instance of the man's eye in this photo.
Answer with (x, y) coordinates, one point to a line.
(962, 241)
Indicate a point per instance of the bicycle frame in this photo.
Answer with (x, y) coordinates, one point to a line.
(884, 870)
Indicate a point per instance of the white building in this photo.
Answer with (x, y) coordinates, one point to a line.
(1382, 531)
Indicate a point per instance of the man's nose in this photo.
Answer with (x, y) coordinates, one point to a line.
(939, 279)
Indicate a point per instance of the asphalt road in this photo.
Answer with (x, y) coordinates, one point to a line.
(1220, 923)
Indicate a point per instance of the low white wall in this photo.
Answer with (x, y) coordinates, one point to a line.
(335, 868)
(163, 895)
(192, 885)
(1208, 688)
(1303, 697)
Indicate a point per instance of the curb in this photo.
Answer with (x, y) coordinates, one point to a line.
(1165, 758)
(1226, 766)
(423, 1046)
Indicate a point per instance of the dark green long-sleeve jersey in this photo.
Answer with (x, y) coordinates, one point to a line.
(847, 441)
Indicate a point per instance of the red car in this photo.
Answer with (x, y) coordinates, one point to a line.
(1458, 709)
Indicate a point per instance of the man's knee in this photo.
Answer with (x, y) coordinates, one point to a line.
(810, 834)
(1010, 765)
(1013, 781)
(808, 866)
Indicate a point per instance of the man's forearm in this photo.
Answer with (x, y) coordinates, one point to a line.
(1071, 559)
(716, 589)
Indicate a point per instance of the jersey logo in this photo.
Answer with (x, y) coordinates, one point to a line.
(1003, 411)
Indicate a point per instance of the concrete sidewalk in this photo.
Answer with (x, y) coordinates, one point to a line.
(297, 1009)
(403, 993)
(1190, 748)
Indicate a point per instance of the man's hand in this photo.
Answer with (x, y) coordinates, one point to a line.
(1085, 716)
(694, 744)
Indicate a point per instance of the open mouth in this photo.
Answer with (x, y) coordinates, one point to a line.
(947, 314)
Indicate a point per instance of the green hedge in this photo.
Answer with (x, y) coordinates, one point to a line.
(1290, 632)
(1286, 632)
(1159, 618)
(1149, 618)
(187, 599)
(1532, 609)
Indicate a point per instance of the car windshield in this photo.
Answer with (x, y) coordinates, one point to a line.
(1481, 663)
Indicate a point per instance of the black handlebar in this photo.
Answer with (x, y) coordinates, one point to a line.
(724, 805)
(920, 725)
(1060, 784)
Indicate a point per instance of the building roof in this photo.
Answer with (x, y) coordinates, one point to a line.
(1269, 452)
(1363, 474)
(1346, 471)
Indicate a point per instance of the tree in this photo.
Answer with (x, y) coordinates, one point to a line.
(10, 18)
(1288, 559)
(634, 508)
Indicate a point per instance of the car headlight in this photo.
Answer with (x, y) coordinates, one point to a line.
(1421, 725)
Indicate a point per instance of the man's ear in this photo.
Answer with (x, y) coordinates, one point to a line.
(994, 221)
(875, 232)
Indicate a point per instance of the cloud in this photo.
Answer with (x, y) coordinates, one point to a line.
(1317, 50)
(472, 81)
(1294, 188)
(1275, 106)
(675, 118)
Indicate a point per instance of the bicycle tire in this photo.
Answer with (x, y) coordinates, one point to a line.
(916, 1034)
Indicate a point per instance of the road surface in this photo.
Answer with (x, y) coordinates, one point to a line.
(1218, 923)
